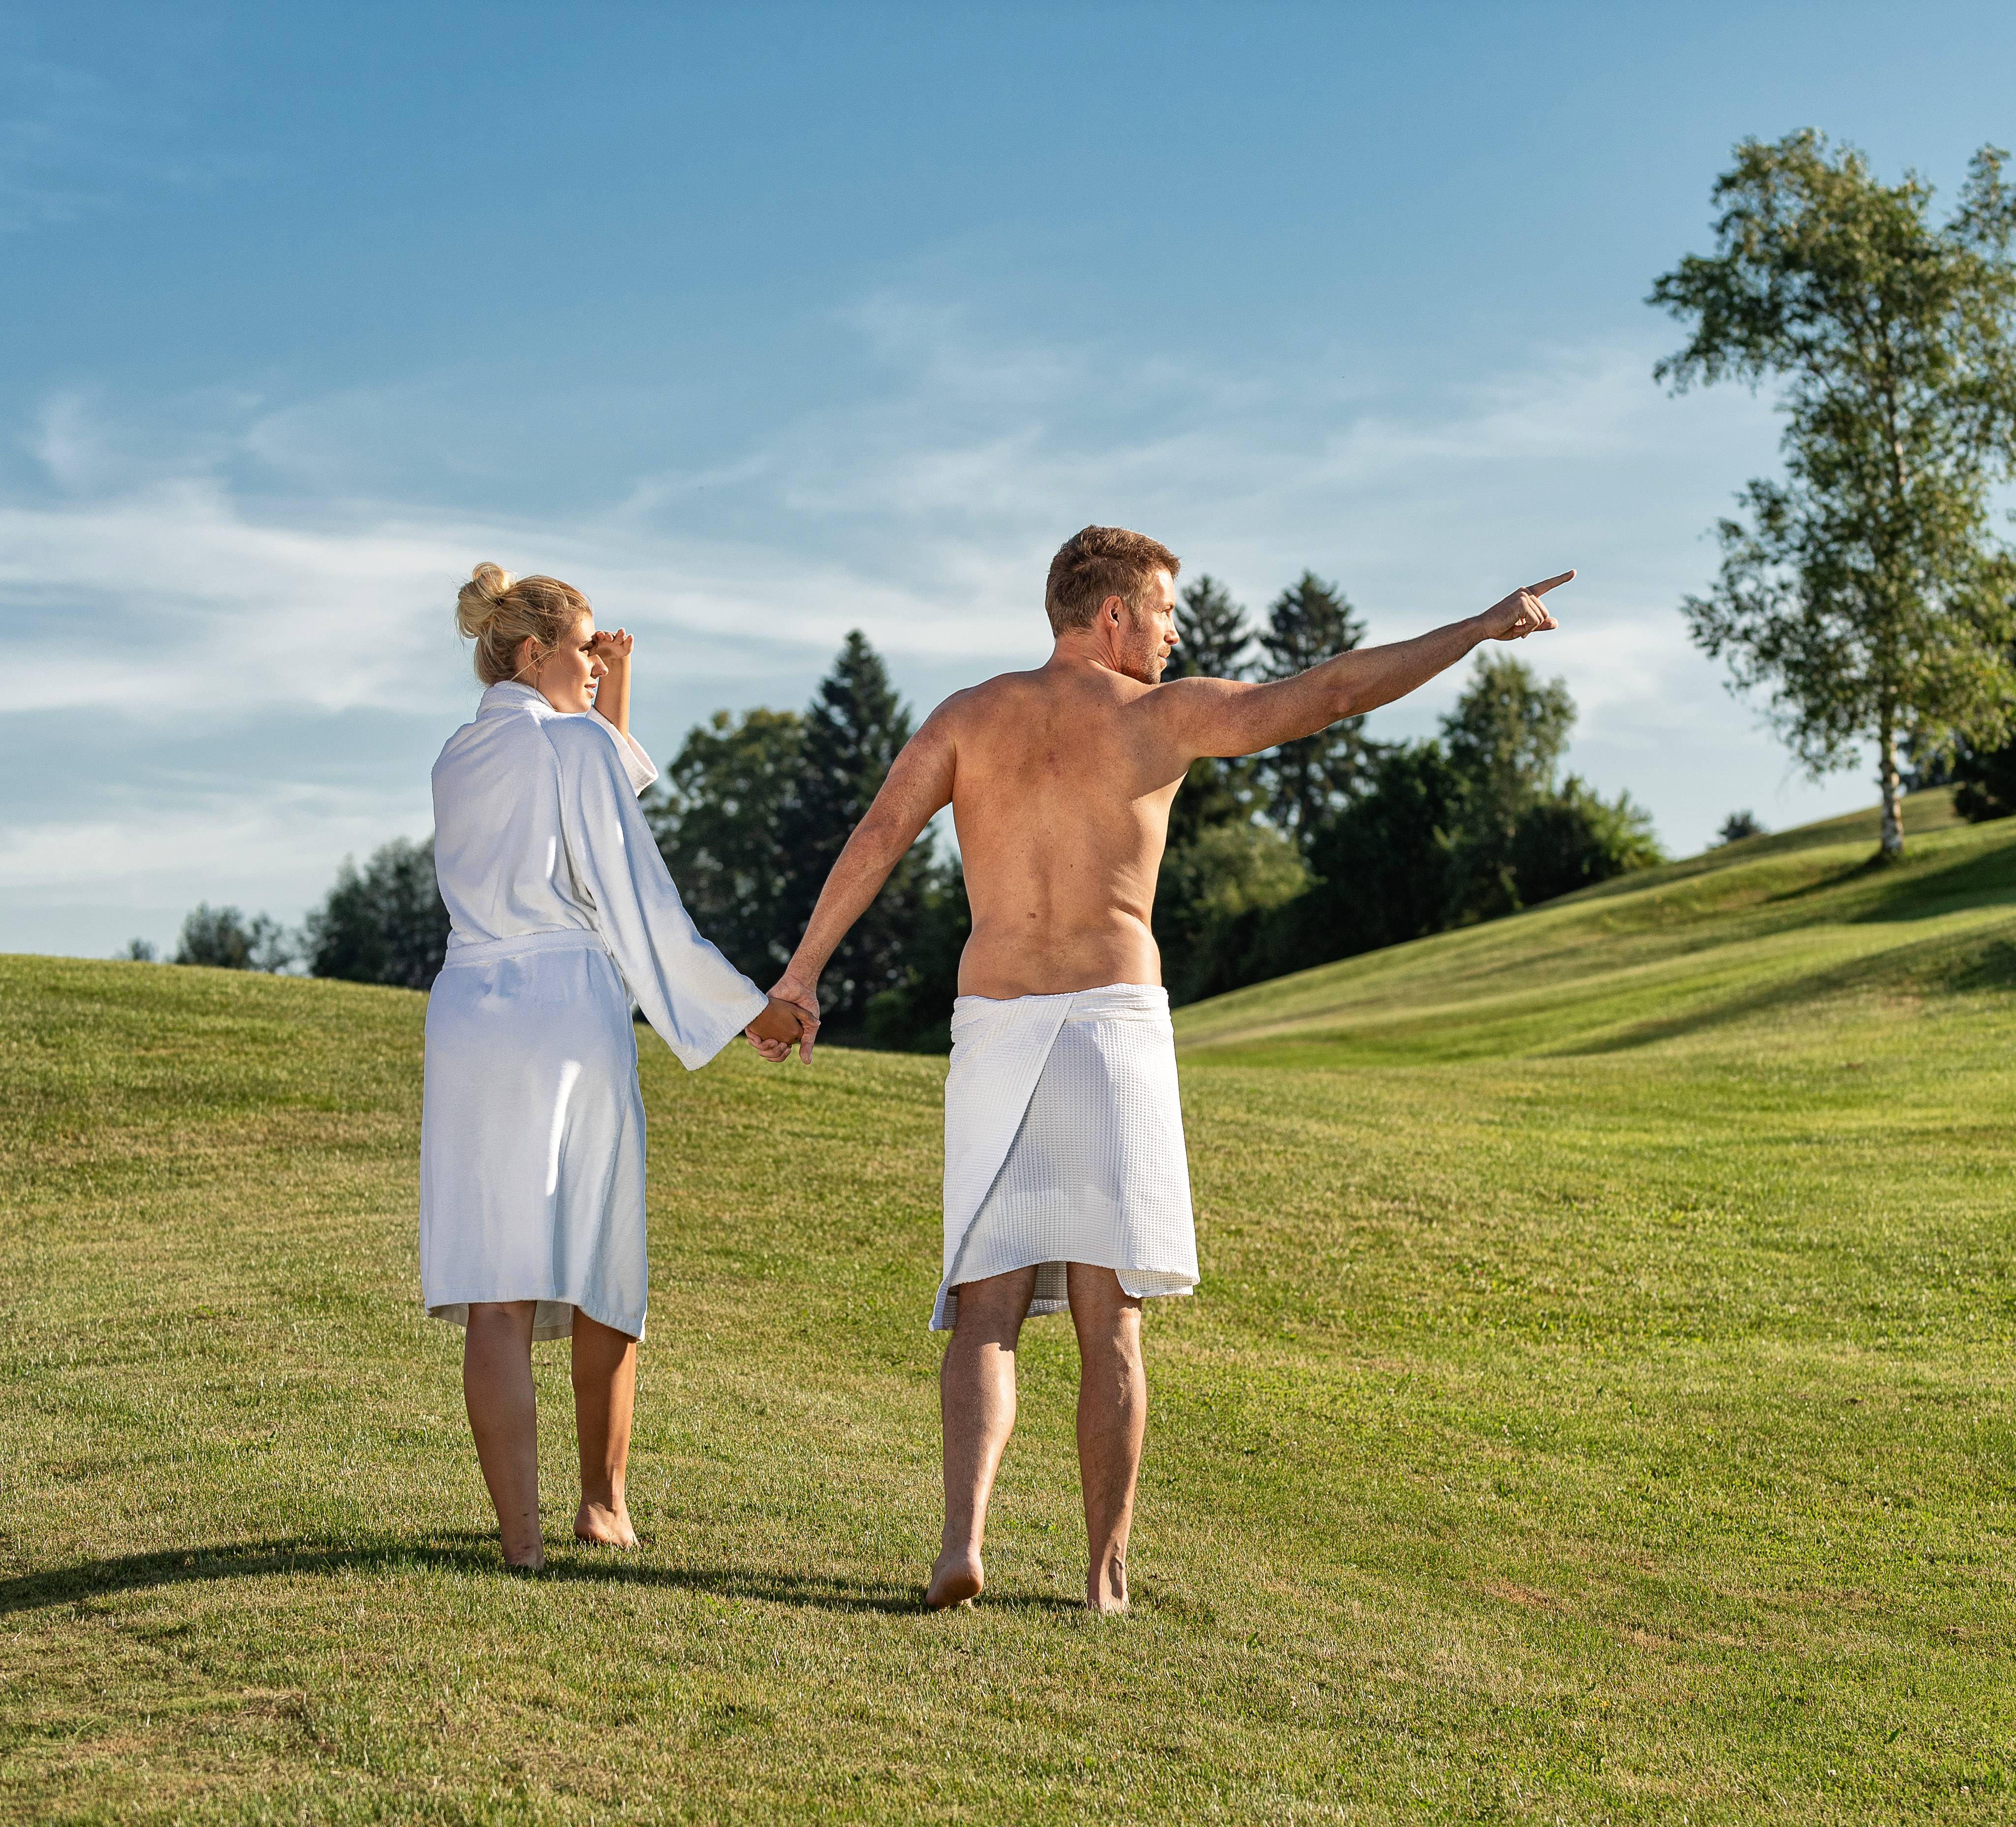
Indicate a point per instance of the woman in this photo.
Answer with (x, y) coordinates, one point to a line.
(532, 1135)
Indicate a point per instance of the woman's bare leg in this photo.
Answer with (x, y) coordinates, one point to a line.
(605, 1394)
(977, 1402)
(1112, 1421)
(503, 1415)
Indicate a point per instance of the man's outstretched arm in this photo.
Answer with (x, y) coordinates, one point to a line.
(918, 785)
(1227, 717)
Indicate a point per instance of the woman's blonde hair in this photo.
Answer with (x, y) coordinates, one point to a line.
(497, 612)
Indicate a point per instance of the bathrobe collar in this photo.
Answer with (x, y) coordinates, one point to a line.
(509, 694)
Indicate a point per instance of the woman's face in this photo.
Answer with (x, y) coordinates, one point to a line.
(565, 678)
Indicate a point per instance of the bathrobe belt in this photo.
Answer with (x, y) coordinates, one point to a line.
(558, 938)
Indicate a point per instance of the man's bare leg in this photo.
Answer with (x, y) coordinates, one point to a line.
(503, 1415)
(977, 1404)
(605, 1395)
(1112, 1419)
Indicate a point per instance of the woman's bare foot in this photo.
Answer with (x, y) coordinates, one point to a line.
(957, 1578)
(534, 1562)
(1106, 1587)
(606, 1525)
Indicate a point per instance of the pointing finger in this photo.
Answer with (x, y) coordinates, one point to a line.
(1540, 589)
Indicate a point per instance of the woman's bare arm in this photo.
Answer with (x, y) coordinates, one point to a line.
(612, 690)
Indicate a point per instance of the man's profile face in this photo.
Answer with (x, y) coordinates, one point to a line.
(1150, 631)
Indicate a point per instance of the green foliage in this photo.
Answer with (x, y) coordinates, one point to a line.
(384, 924)
(1504, 741)
(914, 1014)
(1984, 782)
(1863, 593)
(853, 731)
(1215, 643)
(1303, 782)
(1215, 640)
(1207, 892)
(749, 816)
(1574, 838)
(1384, 861)
(224, 938)
(718, 812)
(1738, 826)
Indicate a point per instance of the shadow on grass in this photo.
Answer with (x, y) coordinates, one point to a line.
(464, 1554)
(1904, 893)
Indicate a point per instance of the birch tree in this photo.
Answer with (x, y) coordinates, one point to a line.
(1863, 591)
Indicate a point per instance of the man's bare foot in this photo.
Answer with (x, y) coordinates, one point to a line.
(534, 1563)
(606, 1525)
(957, 1578)
(1106, 1587)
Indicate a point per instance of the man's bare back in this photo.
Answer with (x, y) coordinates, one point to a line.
(1061, 797)
(1061, 781)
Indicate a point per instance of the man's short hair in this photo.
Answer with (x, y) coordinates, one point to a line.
(1098, 563)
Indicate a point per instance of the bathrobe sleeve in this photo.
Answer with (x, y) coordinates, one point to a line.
(696, 1000)
(639, 765)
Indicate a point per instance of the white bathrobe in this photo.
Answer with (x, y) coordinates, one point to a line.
(1064, 1143)
(532, 1131)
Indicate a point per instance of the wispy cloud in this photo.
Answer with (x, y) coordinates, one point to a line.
(216, 591)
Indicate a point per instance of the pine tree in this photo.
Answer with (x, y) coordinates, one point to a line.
(1215, 642)
(1307, 780)
(1215, 639)
(854, 729)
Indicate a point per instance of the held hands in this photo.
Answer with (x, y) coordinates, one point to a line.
(792, 1019)
(1522, 613)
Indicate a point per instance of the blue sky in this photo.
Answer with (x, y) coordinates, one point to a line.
(762, 323)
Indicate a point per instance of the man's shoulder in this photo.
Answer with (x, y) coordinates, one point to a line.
(1005, 685)
(1015, 693)
(974, 704)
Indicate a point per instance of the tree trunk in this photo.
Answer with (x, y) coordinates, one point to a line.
(1893, 791)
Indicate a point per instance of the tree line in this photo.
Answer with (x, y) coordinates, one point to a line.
(1324, 847)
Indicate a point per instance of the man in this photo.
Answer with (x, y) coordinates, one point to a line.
(1065, 1181)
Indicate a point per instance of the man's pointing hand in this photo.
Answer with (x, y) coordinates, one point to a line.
(1522, 613)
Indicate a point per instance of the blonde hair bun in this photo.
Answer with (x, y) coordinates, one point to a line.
(476, 603)
(500, 612)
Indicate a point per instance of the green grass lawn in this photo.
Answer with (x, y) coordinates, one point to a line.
(1596, 1407)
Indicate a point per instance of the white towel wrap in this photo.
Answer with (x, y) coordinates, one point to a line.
(1064, 1143)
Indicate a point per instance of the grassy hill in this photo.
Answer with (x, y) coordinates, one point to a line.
(1597, 1407)
(1738, 937)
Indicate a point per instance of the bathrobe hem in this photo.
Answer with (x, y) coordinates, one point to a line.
(554, 1320)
